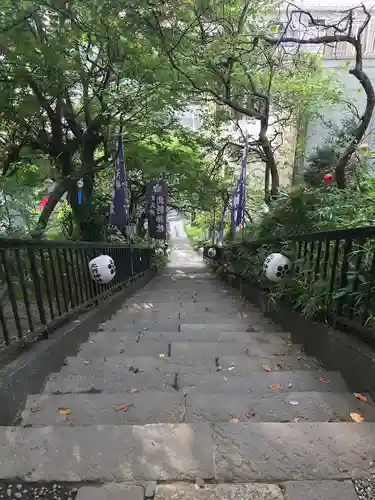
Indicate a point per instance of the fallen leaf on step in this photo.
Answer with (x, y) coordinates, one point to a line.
(230, 368)
(324, 380)
(133, 369)
(267, 368)
(122, 407)
(294, 403)
(361, 397)
(250, 413)
(235, 420)
(356, 417)
(274, 386)
(132, 390)
(35, 409)
(64, 411)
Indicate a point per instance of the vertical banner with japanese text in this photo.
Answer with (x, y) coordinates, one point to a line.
(157, 198)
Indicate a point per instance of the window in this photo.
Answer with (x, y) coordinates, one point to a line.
(319, 22)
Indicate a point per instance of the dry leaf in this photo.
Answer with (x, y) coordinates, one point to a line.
(324, 380)
(356, 417)
(35, 409)
(132, 390)
(361, 397)
(235, 420)
(64, 411)
(267, 368)
(274, 386)
(230, 368)
(122, 407)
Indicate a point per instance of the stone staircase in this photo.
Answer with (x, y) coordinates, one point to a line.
(188, 393)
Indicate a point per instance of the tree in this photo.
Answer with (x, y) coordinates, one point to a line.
(70, 77)
(349, 28)
(217, 49)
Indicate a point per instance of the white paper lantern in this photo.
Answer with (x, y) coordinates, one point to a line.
(102, 269)
(159, 252)
(276, 267)
(211, 252)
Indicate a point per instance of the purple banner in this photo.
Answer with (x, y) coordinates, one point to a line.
(119, 206)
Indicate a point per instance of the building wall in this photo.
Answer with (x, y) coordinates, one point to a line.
(317, 130)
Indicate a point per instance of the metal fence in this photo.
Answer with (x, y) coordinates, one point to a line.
(44, 282)
(334, 273)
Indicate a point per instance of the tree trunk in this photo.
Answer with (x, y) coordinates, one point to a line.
(363, 125)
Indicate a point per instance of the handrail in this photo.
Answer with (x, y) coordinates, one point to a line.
(48, 281)
(335, 268)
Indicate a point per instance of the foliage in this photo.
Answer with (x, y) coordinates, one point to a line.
(323, 160)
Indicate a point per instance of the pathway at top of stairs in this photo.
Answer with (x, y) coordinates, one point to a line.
(188, 393)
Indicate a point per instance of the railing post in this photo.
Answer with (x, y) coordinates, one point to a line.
(37, 289)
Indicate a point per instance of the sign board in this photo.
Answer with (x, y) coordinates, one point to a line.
(157, 198)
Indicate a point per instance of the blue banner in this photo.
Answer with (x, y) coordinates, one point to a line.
(238, 202)
(119, 206)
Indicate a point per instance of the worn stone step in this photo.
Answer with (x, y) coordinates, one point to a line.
(278, 407)
(201, 382)
(100, 409)
(241, 365)
(244, 452)
(105, 453)
(163, 325)
(117, 382)
(322, 490)
(293, 451)
(164, 407)
(139, 364)
(228, 348)
(210, 327)
(129, 348)
(293, 381)
(196, 336)
(111, 491)
(202, 307)
(293, 490)
(180, 491)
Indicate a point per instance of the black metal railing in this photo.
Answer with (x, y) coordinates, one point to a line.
(44, 282)
(334, 273)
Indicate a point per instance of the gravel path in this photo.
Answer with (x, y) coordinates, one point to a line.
(27, 491)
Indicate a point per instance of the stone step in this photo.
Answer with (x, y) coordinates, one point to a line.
(226, 365)
(153, 407)
(196, 336)
(244, 452)
(293, 381)
(164, 325)
(237, 365)
(129, 348)
(292, 451)
(121, 364)
(228, 348)
(102, 346)
(202, 307)
(100, 409)
(279, 407)
(294, 490)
